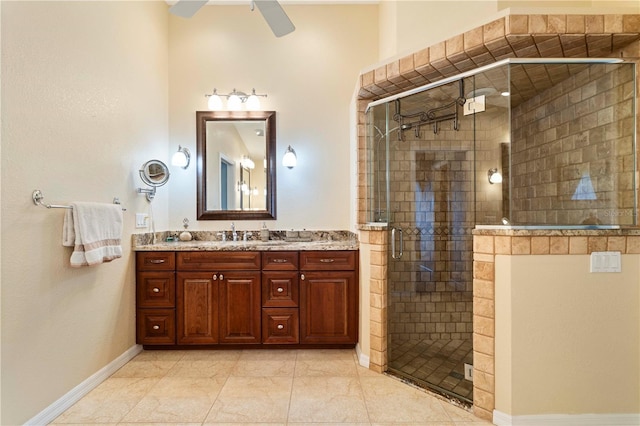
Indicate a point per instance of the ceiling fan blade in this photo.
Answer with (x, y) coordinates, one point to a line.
(187, 8)
(275, 16)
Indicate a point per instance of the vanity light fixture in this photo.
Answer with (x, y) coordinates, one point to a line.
(247, 163)
(181, 158)
(494, 176)
(290, 159)
(236, 100)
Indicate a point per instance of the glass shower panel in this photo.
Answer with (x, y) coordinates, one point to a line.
(431, 201)
(573, 144)
(492, 148)
(378, 134)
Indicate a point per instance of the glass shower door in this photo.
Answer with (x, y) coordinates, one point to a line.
(431, 216)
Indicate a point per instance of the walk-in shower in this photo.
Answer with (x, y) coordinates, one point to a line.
(545, 143)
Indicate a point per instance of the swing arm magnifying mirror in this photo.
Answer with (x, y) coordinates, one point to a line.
(154, 173)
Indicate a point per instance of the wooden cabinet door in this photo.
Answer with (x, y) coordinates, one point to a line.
(197, 308)
(240, 309)
(328, 307)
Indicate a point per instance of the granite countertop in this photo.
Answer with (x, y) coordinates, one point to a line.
(210, 241)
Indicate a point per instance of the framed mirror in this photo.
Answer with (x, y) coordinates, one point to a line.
(236, 173)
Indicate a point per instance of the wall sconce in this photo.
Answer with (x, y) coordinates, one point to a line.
(181, 158)
(247, 163)
(235, 100)
(494, 176)
(290, 159)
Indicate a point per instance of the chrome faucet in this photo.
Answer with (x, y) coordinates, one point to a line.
(233, 232)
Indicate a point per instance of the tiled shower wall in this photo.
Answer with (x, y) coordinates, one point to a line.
(435, 203)
(580, 130)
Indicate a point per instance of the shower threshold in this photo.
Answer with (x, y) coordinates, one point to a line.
(454, 399)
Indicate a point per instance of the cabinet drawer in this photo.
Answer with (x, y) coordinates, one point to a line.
(156, 260)
(279, 260)
(156, 327)
(280, 325)
(328, 260)
(280, 289)
(156, 289)
(218, 261)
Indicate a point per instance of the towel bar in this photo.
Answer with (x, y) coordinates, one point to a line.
(37, 198)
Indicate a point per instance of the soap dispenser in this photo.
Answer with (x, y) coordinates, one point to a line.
(185, 235)
(264, 233)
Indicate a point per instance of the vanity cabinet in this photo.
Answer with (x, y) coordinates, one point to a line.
(155, 298)
(218, 297)
(268, 298)
(280, 298)
(328, 297)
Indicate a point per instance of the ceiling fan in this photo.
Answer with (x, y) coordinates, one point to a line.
(271, 10)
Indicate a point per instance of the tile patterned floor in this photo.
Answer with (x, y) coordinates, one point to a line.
(265, 387)
(435, 362)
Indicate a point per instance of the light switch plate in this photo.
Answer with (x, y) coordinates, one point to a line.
(142, 220)
(605, 261)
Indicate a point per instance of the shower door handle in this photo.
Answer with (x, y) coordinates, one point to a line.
(393, 243)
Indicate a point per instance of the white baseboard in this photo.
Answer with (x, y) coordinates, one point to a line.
(363, 359)
(502, 419)
(67, 400)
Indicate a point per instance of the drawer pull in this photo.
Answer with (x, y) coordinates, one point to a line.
(280, 260)
(156, 261)
(156, 290)
(156, 327)
(280, 289)
(327, 260)
(280, 326)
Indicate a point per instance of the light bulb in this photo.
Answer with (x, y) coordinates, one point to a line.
(179, 159)
(289, 160)
(234, 103)
(253, 103)
(215, 103)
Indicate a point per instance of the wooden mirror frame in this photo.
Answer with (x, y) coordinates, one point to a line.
(269, 119)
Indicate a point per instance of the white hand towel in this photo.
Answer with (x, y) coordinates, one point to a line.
(94, 230)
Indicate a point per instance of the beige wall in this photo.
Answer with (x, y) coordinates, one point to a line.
(567, 341)
(408, 26)
(84, 104)
(309, 76)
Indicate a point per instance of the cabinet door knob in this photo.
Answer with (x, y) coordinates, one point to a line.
(156, 327)
(215, 277)
(280, 326)
(302, 277)
(221, 277)
(280, 289)
(156, 290)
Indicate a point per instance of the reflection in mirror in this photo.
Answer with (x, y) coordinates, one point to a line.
(236, 165)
